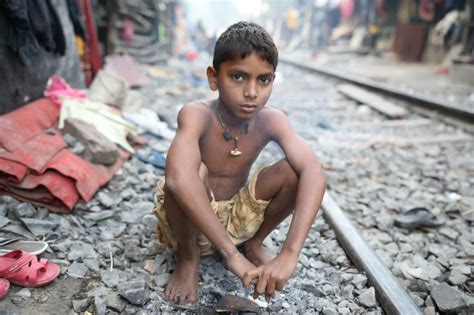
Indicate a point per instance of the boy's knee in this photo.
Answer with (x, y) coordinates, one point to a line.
(289, 174)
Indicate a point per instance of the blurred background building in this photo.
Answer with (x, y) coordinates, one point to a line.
(85, 31)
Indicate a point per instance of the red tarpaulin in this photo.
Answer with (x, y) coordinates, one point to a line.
(37, 167)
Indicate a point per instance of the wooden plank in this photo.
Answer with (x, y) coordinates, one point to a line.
(446, 108)
(390, 294)
(373, 100)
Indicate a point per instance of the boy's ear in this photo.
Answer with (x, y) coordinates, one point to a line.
(212, 78)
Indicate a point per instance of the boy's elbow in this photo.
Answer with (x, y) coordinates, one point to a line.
(174, 182)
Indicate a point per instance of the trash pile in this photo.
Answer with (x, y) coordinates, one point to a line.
(61, 149)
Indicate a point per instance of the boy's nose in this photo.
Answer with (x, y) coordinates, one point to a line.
(251, 90)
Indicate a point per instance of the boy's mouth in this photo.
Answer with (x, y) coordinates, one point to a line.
(248, 108)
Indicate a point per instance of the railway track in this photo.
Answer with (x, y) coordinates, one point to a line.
(461, 113)
(363, 134)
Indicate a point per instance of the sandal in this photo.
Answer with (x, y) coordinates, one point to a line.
(33, 247)
(418, 218)
(25, 270)
(4, 286)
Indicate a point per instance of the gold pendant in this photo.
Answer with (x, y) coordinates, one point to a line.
(235, 152)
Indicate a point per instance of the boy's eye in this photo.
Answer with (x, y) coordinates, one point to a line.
(237, 77)
(266, 79)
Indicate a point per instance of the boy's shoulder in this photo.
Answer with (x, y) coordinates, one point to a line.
(199, 105)
(198, 109)
(271, 117)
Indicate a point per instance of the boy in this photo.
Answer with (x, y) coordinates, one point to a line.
(207, 203)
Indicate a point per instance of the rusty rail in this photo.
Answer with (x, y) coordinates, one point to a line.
(390, 294)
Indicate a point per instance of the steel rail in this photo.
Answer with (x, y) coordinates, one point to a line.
(390, 294)
(466, 114)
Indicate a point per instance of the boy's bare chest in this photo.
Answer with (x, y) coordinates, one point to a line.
(219, 154)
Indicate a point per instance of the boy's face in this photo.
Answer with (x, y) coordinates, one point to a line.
(244, 85)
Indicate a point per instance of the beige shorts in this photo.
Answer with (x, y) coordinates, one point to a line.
(241, 216)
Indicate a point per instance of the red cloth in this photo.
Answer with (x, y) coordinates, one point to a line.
(27, 122)
(44, 146)
(92, 54)
(40, 169)
(347, 9)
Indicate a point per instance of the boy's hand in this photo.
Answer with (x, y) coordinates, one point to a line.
(239, 265)
(271, 276)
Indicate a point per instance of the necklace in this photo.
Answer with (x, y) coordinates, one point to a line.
(228, 136)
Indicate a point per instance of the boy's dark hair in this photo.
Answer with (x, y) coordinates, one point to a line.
(240, 40)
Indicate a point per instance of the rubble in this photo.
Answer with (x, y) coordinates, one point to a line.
(97, 148)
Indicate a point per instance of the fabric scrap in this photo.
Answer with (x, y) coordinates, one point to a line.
(103, 117)
(57, 90)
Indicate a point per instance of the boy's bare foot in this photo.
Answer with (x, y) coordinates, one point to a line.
(182, 286)
(256, 253)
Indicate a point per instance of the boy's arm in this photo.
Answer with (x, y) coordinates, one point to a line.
(311, 187)
(188, 189)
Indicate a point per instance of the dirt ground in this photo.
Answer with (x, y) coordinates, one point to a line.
(47, 300)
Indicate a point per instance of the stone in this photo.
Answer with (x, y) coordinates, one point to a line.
(98, 291)
(98, 148)
(161, 280)
(92, 265)
(303, 259)
(149, 221)
(98, 216)
(275, 307)
(77, 148)
(105, 199)
(343, 310)
(367, 297)
(346, 292)
(315, 290)
(111, 278)
(359, 281)
(457, 278)
(448, 299)
(328, 290)
(135, 292)
(81, 251)
(100, 305)
(23, 210)
(449, 233)
(3, 221)
(131, 217)
(24, 293)
(39, 227)
(330, 310)
(77, 270)
(70, 139)
(80, 306)
(116, 303)
(430, 310)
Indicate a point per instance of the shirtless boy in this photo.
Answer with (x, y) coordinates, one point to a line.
(208, 203)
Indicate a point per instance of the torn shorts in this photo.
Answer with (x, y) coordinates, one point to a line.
(241, 216)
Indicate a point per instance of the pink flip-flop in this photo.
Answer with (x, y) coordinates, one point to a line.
(4, 286)
(25, 270)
